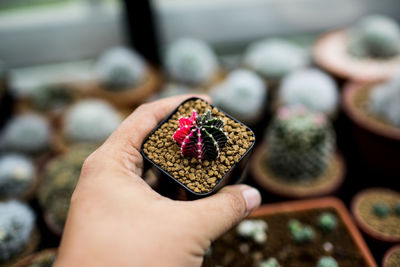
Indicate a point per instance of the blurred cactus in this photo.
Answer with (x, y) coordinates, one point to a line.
(327, 262)
(312, 88)
(271, 262)
(327, 222)
(381, 210)
(51, 97)
(300, 233)
(397, 209)
(26, 133)
(375, 36)
(243, 95)
(385, 100)
(90, 121)
(58, 182)
(191, 61)
(300, 143)
(255, 230)
(17, 175)
(16, 227)
(274, 58)
(120, 68)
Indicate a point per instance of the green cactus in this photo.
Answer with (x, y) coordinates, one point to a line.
(271, 262)
(300, 143)
(327, 222)
(300, 233)
(397, 209)
(327, 262)
(381, 210)
(52, 97)
(58, 182)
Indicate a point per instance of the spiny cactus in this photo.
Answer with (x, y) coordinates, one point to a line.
(201, 137)
(274, 58)
(300, 143)
(271, 262)
(58, 181)
(327, 222)
(312, 88)
(243, 95)
(255, 230)
(381, 210)
(52, 97)
(16, 226)
(120, 68)
(375, 36)
(327, 262)
(27, 133)
(385, 101)
(17, 174)
(300, 233)
(191, 61)
(90, 121)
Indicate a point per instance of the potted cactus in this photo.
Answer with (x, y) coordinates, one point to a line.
(374, 111)
(57, 183)
(124, 78)
(298, 157)
(311, 88)
(44, 258)
(392, 257)
(197, 147)
(369, 51)
(18, 236)
(192, 62)
(316, 232)
(377, 212)
(243, 95)
(17, 177)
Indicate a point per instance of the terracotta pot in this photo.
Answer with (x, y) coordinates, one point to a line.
(29, 260)
(330, 53)
(336, 204)
(367, 229)
(317, 187)
(388, 254)
(378, 143)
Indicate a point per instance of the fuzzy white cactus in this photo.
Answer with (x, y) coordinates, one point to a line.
(26, 133)
(274, 58)
(311, 88)
(385, 100)
(16, 225)
(120, 68)
(90, 121)
(243, 95)
(253, 229)
(17, 174)
(191, 61)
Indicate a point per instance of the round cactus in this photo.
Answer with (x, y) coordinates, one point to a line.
(243, 95)
(27, 133)
(58, 182)
(300, 143)
(274, 58)
(253, 229)
(120, 69)
(385, 101)
(16, 227)
(201, 137)
(90, 121)
(381, 210)
(312, 88)
(300, 233)
(327, 222)
(375, 36)
(191, 61)
(271, 262)
(52, 97)
(327, 262)
(17, 175)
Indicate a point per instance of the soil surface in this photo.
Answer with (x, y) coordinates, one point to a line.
(232, 250)
(198, 176)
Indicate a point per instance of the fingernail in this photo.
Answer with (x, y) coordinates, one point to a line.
(252, 197)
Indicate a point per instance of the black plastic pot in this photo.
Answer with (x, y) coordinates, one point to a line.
(173, 188)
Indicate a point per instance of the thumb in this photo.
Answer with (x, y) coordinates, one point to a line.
(218, 213)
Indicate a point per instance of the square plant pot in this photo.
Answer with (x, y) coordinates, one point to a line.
(219, 160)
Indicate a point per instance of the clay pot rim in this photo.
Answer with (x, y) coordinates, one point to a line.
(363, 226)
(317, 203)
(26, 261)
(389, 253)
(51, 225)
(259, 177)
(350, 89)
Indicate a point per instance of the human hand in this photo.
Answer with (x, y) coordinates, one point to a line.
(116, 219)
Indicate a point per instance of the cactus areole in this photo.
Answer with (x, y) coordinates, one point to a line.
(201, 137)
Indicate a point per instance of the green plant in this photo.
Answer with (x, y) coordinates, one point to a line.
(381, 210)
(255, 230)
(16, 226)
(58, 181)
(120, 68)
(26, 133)
(90, 121)
(300, 143)
(271, 262)
(327, 262)
(375, 36)
(52, 97)
(300, 233)
(327, 222)
(397, 209)
(17, 174)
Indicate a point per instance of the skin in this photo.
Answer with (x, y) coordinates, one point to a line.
(116, 219)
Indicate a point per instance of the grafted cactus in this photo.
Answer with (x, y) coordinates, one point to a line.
(300, 143)
(201, 137)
